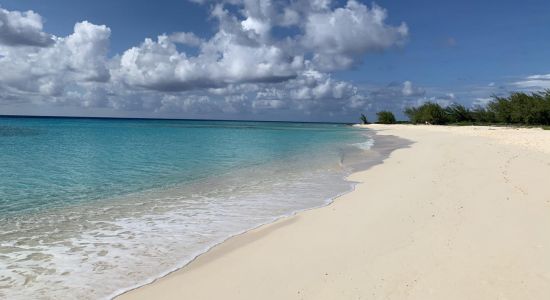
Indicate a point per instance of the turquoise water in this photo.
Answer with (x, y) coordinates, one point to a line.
(91, 207)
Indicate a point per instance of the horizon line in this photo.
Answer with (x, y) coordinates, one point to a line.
(163, 119)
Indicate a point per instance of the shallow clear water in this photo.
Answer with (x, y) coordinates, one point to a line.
(89, 207)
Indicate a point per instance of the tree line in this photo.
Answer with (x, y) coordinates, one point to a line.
(518, 109)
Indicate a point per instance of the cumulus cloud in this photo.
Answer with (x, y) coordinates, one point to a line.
(313, 91)
(22, 29)
(159, 66)
(409, 90)
(243, 67)
(243, 51)
(339, 37)
(186, 38)
(87, 51)
(76, 59)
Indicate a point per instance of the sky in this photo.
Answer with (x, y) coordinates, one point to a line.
(300, 60)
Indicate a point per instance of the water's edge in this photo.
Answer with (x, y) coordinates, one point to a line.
(382, 148)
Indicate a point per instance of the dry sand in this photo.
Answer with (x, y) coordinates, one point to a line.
(463, 213)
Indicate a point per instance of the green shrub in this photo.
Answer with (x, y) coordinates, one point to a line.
(457, 113)
(518, 108)
(428, 112)
(481, 115)
(413, 114)
(522, 108)
(386, 117)
(502, 109)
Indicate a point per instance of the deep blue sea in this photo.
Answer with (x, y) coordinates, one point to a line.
(92, 207)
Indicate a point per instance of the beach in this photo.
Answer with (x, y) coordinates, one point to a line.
(461, 213)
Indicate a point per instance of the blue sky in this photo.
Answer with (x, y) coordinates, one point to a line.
(451, 51)
(453, 42)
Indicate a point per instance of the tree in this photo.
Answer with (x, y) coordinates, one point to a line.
(457, 113)
(481, 114)
(428, 112)
(386, 117)
(413, 114)
(364, 119)
(502, 109)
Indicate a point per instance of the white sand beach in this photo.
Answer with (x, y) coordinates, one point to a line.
(463, 213)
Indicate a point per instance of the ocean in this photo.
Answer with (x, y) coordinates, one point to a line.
(90, 208)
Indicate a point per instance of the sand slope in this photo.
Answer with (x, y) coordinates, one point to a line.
(463, 213)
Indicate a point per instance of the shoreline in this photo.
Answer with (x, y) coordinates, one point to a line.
(382, 147)
(123, 291)
(180, 267)
(243, 256)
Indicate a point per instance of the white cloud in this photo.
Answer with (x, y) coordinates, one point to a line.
(79, 58)
(159, 66)
(538, 77)
(22, 29)
(482, 101)
(338, 38)
(243, 67)
(87, 51)
(534, 82)
(243, 50)
(186, 38)
(409, 90)
(316, 85)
